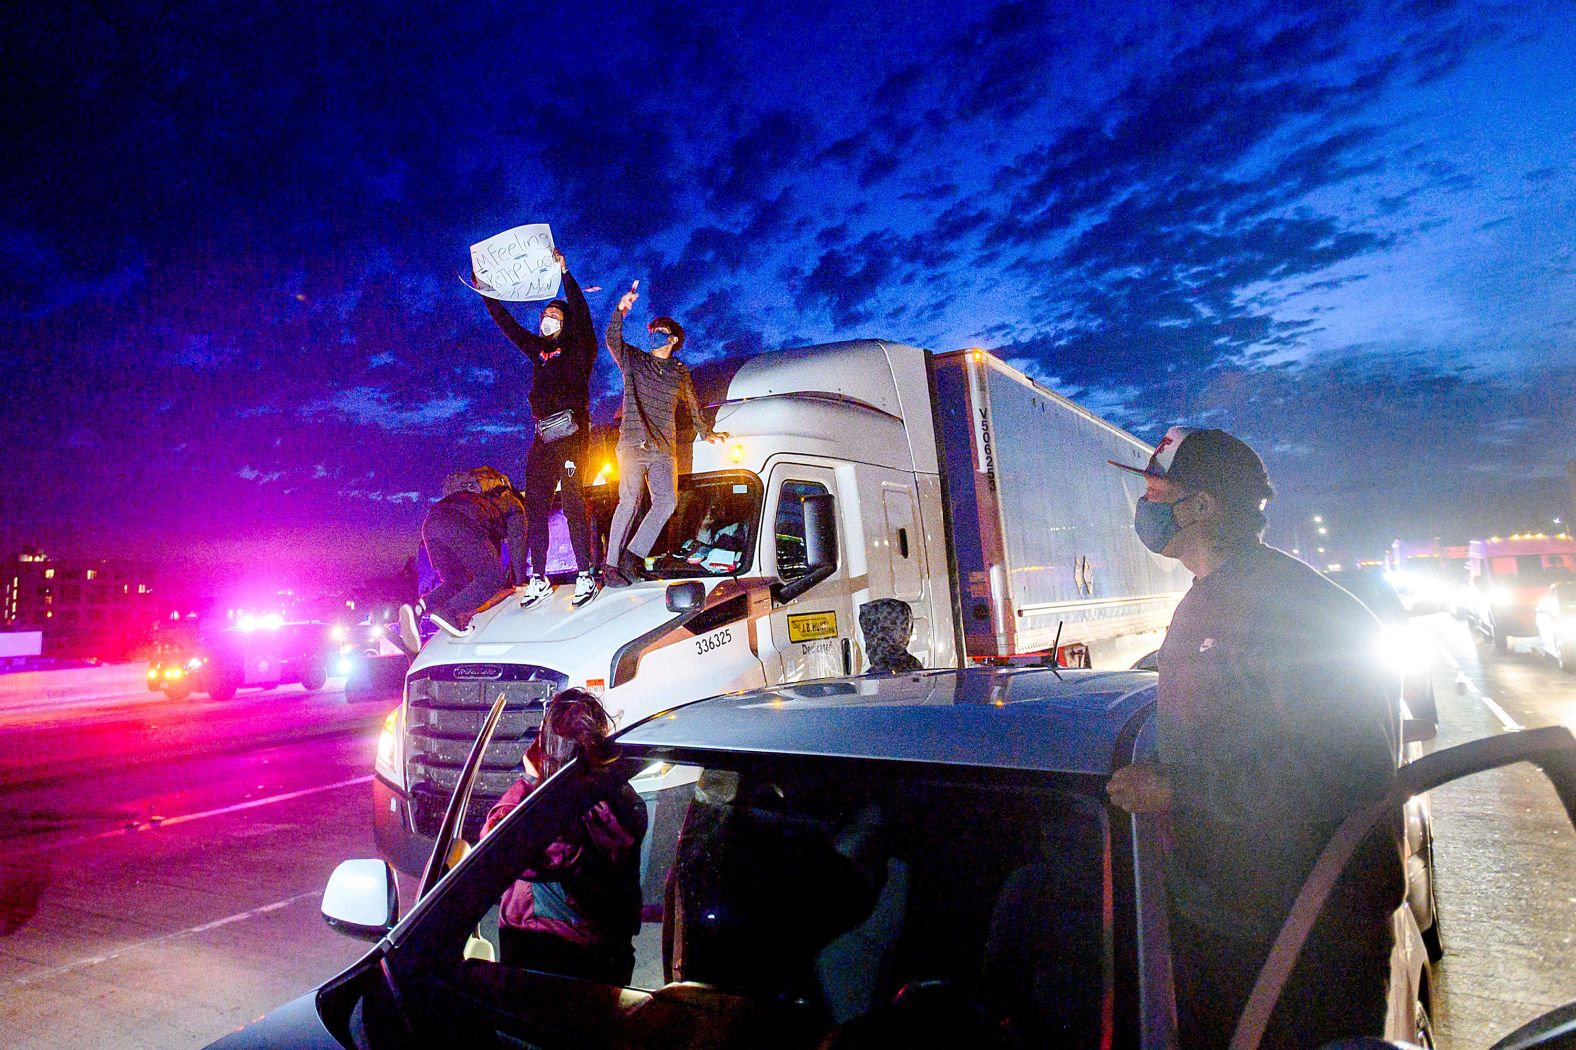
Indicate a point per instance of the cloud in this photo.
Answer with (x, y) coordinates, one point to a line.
(374, 406)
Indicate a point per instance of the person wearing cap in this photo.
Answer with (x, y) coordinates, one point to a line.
(464, 533)
(655, 385)
(1275, 723)
(561, 353)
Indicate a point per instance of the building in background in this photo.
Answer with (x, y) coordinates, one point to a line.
(86, 608)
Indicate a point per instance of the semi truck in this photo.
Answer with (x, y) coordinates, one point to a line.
(852, 471)
(1506, 578)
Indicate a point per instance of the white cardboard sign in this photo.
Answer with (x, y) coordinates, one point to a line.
(517, 265)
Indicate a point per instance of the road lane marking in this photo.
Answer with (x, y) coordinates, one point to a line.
(154, 942)
(151, 825)
(1466, 685)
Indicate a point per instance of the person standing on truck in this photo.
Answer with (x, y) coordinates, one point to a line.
(576, 911)
(562, 353)
(1275, 723)
(464, 534)
(655, 385)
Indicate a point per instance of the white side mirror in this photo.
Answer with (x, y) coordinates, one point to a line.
(362, 899)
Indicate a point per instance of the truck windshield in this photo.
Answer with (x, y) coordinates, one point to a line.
(712, 533)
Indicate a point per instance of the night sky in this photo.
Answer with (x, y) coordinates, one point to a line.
(229, 244)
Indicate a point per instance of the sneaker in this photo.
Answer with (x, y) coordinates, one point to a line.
(535, 589)
(409, 629)
(586, 587)
(453, 631)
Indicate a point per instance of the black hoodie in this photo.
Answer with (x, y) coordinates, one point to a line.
(562, 364)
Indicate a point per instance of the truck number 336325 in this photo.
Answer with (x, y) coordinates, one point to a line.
(714, 641)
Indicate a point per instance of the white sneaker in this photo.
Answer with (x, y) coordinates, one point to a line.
(409, 630)
(535, 589)
(587, 586)
(450, 629)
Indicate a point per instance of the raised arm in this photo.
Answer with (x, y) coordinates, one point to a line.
(526, 341)
(579, 332)
(615, 339)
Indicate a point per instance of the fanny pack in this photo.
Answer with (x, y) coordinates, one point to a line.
(557, 426)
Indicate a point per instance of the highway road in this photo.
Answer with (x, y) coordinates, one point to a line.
(163, 863)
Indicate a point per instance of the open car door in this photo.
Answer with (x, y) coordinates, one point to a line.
(1551, 749)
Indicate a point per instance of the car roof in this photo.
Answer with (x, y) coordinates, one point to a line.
(990, 717)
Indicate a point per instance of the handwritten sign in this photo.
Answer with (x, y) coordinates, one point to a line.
(516, 265)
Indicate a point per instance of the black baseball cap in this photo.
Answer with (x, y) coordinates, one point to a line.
(1210, 461)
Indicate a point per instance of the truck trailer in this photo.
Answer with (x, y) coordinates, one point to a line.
(852, 471)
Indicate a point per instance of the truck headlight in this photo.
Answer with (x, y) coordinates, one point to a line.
(1402, 650)
(390, 761)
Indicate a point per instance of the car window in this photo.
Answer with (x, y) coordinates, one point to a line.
(792, 559)
(787, 900)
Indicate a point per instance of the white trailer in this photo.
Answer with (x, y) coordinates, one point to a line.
(853, 471)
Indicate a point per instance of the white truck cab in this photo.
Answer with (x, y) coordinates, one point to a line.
(852, 471)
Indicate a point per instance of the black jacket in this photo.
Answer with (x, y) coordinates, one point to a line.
(561, 365)
(499, 515)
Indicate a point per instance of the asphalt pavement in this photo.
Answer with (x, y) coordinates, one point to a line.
(162, 888)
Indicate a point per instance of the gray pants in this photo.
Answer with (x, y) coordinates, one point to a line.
(648, 470)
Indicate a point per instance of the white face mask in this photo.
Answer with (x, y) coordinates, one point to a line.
(551, 326)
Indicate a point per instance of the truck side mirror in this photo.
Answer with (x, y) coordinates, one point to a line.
(682, 597)
(820, 546)
(362, 899)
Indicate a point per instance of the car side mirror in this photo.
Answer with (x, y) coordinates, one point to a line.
(362, 899)
(683, 597)
(820, 546)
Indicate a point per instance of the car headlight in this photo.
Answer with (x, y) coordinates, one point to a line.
(338, 632)
(390, 761)
(344, 665)
(1403, 650)
(153, 672)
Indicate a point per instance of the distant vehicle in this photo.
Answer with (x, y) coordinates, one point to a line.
(260, 652)
(1556, 623)
(965, 864)
(1426, 575)
(1404, 648)
(854, 471)
(370, 658)
(1507, 577)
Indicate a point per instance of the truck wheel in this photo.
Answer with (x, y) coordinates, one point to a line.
(313, 677)
(224, 689)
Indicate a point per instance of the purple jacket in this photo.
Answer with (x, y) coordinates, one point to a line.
(586, 888)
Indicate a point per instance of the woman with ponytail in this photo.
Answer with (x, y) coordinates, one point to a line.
(577, 911)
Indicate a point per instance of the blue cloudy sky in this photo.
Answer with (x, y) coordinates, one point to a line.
(229, 241)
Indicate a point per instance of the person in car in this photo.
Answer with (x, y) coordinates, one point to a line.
(562, 353)
(577, 910)
(1275, 723)
(887, 624)
(464, 534)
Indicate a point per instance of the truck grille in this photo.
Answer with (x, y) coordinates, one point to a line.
(444, 710)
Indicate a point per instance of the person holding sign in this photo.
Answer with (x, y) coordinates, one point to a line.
(654, 386)
(562, 353)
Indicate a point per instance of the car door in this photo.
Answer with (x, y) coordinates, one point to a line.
(814, 635)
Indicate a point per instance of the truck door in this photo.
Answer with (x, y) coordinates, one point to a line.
(813, 635)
